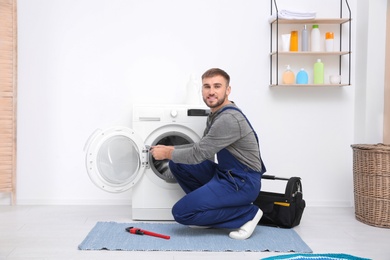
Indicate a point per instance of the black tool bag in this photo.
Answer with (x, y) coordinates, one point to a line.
(282, 210)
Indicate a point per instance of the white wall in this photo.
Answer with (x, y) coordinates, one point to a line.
(370, 73)
(82, 64)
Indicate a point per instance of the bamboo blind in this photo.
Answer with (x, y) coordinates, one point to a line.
(8, 50)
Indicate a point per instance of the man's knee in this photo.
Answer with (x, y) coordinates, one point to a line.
(177, 215)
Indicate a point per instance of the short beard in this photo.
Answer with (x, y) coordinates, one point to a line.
(220, 102)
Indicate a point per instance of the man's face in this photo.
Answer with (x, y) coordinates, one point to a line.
(215, 92)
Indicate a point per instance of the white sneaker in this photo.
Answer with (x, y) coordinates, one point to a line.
(246, 230)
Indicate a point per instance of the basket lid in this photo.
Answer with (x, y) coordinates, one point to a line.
(379, 147)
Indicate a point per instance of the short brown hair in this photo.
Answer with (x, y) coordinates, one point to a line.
(216, 72)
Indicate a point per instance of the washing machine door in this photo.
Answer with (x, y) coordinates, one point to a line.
(116, 158)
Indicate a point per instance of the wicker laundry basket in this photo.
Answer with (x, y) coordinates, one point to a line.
(371, 178)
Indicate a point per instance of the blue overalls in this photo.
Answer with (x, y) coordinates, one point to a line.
(217, 195)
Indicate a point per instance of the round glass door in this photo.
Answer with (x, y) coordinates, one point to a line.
(115, 159)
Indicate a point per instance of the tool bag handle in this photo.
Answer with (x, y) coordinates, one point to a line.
(273, 177)
(293, 186)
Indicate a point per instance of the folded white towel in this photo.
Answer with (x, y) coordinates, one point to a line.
(293, 15)
(297, 14)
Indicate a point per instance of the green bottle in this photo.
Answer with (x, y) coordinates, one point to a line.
(318, 72)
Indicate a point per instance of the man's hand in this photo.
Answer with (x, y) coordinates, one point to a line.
(161, 152)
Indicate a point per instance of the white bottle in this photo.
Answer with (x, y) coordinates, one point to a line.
(305, 39)
(315, 38)
(329, 38)
(193, 91)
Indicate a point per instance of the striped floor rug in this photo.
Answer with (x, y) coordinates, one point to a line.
(113, 236)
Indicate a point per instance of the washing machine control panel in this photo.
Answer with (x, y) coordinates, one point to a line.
(161, 115)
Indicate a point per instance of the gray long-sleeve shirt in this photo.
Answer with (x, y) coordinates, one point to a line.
(229, 130)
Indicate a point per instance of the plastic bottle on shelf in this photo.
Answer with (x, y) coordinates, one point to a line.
(294, 41)
(288, 76)
(315, 38)
(329, 38)
(318, 72)
(302, 77)
(305, 39)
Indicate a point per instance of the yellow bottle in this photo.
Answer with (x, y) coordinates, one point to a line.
(288, 76)
(294, 41)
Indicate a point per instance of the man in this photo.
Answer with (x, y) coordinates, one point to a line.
(218, 195)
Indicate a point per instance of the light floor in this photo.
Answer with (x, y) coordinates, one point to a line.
(54, 232)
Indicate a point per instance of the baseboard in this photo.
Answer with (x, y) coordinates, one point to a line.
(329, 204)
(126, 202)
(6, 201)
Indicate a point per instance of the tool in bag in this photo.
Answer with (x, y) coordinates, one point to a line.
(282, 210)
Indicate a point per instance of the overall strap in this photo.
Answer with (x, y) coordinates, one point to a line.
(254, 132)
(235, 108)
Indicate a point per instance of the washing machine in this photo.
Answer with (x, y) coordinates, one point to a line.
(118, 158)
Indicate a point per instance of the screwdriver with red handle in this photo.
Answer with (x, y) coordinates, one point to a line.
(138, 231)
